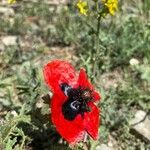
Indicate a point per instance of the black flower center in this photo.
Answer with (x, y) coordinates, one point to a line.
(77, 102)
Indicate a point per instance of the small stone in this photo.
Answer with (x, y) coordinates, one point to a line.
(34, 27)
(133, 62)
(60, 141)
(2, 47)
(7, 11)
(14, 113)
(33, 1)
(39, 104)
(141, 124)
(9, 40)
(4, 3)
(112, 143)
(103, 147)
(54, 2)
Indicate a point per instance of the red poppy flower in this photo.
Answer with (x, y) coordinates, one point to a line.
(73, 110)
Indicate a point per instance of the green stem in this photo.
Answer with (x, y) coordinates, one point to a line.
(96, 45)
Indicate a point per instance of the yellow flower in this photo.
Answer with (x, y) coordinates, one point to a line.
(83, 7)
(112, 5)
(11, 1)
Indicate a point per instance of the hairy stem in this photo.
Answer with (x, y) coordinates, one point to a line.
(96, 42)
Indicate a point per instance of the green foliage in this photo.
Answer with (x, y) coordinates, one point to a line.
(126, 35)
(10, 132)
(14, 26)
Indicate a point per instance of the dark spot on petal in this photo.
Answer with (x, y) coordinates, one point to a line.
(77, 102)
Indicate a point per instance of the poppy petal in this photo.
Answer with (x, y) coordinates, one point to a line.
(71, 131)
(91, 121)
(57, 72)
(96, 96)
(83, 80)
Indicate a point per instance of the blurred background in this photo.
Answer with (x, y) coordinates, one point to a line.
(34, 32)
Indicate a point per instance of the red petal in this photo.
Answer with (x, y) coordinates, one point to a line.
(96, 96)
(57, 72)
(71, 131)
(91, 121)
(84, 82)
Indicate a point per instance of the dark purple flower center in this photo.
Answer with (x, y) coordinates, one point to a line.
(77, 101)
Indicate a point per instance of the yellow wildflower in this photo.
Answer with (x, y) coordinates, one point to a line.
(83, 7)
(112, 5)
(11, 1)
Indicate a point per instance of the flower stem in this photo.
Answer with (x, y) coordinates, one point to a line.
(96, 42)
